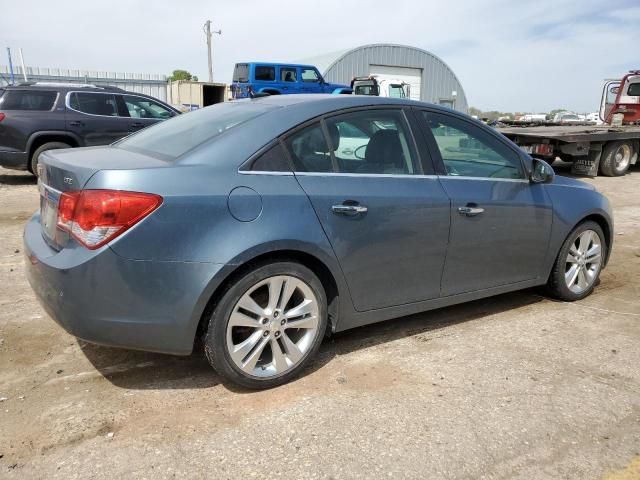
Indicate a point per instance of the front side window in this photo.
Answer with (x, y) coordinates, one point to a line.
(140, 107)
(94, 103)
(265, 74)
(372, 142)
(288, 75)
(468, 151)
(27, 100)
(309, 75)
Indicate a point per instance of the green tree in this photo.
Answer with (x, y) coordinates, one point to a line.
(182, 75)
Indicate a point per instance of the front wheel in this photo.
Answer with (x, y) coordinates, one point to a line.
(578, 265)
(267, 326)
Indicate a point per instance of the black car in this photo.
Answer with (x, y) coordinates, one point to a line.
(35, 117)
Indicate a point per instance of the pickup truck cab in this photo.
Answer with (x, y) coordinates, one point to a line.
(280, 79)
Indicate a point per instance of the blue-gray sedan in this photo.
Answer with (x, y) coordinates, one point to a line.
(262, 225)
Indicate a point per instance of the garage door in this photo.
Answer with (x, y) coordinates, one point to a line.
(412, 76)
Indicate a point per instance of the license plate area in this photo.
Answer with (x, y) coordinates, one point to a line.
(49, 199)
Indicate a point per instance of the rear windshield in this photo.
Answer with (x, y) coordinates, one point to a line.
(27, 100)
(175, 137)
(241, 72)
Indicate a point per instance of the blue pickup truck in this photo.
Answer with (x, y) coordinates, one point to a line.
(280, 79)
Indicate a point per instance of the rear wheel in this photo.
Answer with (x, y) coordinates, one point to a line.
(33, 163)
(267, 326)
(579, 263)
(616, 158)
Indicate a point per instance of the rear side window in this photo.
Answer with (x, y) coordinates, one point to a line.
(28, 100)
(241, 72)
(178, 135)
(267, 74)
(273, 160)
(94, 103)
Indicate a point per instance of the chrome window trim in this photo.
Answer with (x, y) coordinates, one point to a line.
(67, 104)
(484, 179)
(263, 172)
(371, 175)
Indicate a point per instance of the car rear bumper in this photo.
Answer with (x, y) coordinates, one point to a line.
(13, 160)
(103, 298)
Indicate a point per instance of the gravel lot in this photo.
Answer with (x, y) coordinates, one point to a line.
(516, 386)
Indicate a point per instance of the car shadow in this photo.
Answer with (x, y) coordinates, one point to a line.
(142, 370)
(21, 178)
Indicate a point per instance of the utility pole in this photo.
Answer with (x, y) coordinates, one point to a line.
(13, 80)
(208, 33)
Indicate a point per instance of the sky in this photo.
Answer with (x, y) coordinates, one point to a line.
(509, 55)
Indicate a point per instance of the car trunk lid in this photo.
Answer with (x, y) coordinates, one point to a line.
(69, 170)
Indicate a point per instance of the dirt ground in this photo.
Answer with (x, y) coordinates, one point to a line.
(516, 386)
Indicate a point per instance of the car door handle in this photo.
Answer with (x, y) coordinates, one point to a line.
(137, 124)
(76, 124)
(470, 210)
(349, 209)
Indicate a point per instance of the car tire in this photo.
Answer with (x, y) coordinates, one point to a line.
(616, 158)
(252, 338)
(33, 162)
(562, 284)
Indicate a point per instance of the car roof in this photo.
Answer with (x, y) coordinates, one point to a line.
(334, 101)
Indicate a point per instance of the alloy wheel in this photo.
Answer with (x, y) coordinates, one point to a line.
(583, 262)
(272, 327)
(622, 157)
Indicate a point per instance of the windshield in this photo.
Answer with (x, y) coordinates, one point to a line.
(175, 137)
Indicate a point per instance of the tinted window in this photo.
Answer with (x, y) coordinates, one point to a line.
(273, 160)
(309, 150)
(27, 100)
(140, 107)
(241, 73)
(180, 134)
(468, 151)
(634, 90)
(372, 142)
(309, 75)
(266, 73)
(288, 75)
(94, 103)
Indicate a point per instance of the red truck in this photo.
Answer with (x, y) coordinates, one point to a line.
(609, 149)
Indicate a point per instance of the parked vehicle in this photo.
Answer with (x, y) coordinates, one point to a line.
(609, 148)
(36, 117)
(280, 79)
(380, 87)
(243, 223)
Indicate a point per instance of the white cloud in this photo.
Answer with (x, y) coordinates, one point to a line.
(508, 55)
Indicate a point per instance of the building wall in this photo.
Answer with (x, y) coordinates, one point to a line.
(438, 80)
(149, 84)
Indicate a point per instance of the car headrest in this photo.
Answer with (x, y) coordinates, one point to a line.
(385, 148)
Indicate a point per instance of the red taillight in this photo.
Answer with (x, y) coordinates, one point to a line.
(95, 217)
(2, 116)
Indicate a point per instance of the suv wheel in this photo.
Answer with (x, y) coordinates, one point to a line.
(33, 163)
(267, 326)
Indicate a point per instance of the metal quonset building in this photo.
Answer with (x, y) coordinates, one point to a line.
(430, 78)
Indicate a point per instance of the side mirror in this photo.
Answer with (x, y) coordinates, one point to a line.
(541, 172)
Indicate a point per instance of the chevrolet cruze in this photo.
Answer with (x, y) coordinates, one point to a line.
(262, 225)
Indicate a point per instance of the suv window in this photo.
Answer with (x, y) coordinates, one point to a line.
(309, 75)
(27, 100)
(94, 103)
(288, 75)
(372, 142)
(468, 151)
(241, 72)
(140, 107)
(267, 74)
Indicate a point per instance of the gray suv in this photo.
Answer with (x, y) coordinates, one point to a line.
(35, 117)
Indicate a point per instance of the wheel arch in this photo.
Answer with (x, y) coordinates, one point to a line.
(270, 91)
(40, 138)
(234, 271)
(607, 229)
